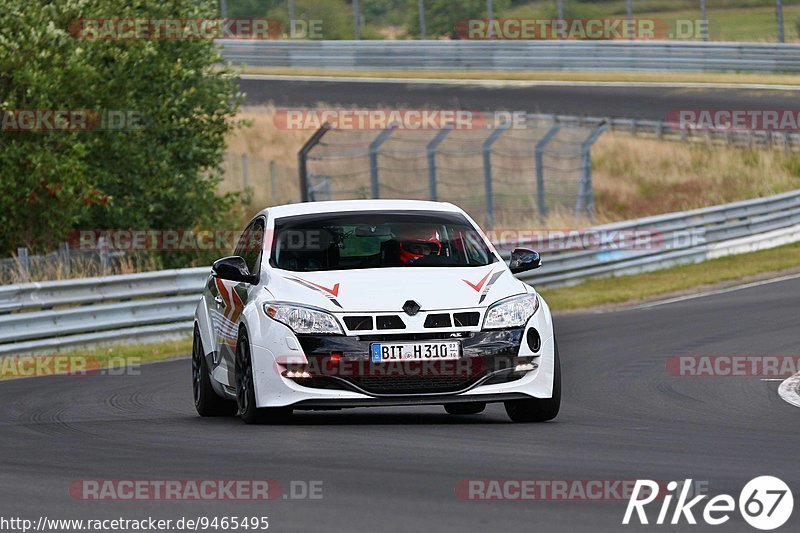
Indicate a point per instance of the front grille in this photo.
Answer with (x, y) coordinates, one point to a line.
(438, 320)
(389, 322)
(357, 323)
(468, 319)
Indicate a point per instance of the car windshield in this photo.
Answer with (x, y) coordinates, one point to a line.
(342, 241)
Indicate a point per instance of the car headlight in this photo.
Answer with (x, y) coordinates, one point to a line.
(303, 319)
(511, 312)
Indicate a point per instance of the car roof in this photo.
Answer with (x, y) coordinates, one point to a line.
(306, 208)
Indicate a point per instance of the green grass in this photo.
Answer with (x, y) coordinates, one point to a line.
(114, 356)
(627, 289)
(542, 75)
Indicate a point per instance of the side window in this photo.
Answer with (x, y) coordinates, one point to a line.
(251, 244)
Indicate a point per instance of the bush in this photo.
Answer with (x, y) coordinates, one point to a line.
(162, 174)
(336, 16)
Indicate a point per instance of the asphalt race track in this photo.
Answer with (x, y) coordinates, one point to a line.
(572, 99)
(391, 469)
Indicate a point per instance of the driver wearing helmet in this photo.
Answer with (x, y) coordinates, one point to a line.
(419, 243)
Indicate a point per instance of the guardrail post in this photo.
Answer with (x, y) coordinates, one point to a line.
(66, 259)
(374, 146)
(585, 200)
(24, 263)
(487, 171)
(431, 151)
(302, 157)
(539, 157)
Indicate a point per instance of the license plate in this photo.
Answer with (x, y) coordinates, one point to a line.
(414, 351)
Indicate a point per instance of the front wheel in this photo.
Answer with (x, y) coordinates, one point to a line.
(539, 409)
(245, 391)
(206, 401)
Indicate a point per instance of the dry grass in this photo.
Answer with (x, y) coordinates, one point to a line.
(639, 177)
(633, 177)
(54, 268)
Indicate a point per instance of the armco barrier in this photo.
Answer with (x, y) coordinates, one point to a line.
(516, 55)
(61, 314)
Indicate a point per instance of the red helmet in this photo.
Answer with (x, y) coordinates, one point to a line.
(418, 243)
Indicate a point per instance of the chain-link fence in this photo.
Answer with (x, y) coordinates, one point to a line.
(502, 176)
(260, 182)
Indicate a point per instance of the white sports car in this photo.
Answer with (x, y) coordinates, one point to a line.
(361, 303)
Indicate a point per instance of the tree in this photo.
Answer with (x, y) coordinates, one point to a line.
(159, 172)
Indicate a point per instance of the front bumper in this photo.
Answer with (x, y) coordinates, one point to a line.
(343, 363)
(487, 370)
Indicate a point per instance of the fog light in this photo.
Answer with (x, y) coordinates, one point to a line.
(525, 367)
(295, 374)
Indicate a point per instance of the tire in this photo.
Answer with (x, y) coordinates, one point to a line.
(471, 408)
(245, 391)
(538, 409)
(206, 401)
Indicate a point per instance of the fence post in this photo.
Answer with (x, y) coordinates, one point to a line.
(539, 157)
(431, 151)
(302, 157)
(272, 179)
(703, 21)
(66, 259)
(246, 196)
(374, 146)
(487, 171)
(24, 263)
(585, 200)
(102, 245)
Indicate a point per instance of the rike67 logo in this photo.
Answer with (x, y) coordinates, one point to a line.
(765, 503)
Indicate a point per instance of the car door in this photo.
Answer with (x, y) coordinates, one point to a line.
(230, 298)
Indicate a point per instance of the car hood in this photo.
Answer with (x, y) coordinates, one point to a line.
(387, 289)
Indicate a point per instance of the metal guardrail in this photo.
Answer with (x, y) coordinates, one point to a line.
(51, 315)
(675, 238)
(516, 55)
(669, 131)
(61, 314)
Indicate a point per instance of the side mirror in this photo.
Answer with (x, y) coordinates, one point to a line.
(523, 260)
(233, 268)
